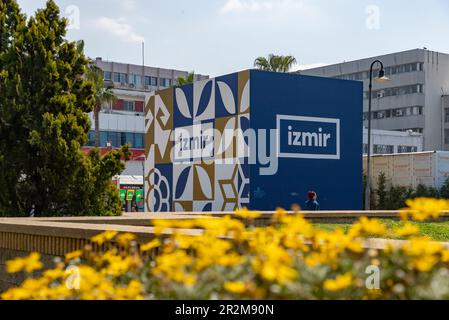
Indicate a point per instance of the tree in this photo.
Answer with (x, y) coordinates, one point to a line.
(44, 103)
(102, 95)
(444, 192)
(187, 80)
(381, 191)
(275, 63)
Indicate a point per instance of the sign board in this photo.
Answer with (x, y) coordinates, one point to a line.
(254, 139)
(139, 195)
(130, 195)
(123, 194)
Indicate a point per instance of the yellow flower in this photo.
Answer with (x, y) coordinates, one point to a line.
(104, 237)
(125, 238)
(246, 214)
(371, 226)
(424, 264)
(150, 245)
(16, 294)
(73, 255)
(279, 214)
(237, 287)
(29, 264)
(340, 283)
(422, 209)
(54, 274)
(407, 230)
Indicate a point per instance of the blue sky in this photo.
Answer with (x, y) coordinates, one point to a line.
(214, 37)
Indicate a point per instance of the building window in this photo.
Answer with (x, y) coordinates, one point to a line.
(398, 112)
(91, 137)
(135, 79)
(446, 136)
(407, 149)
(446, 115)
(391, 92)
(120, 77)
(128, 105)
(107, 75)
(117, 139)
(166, 82)
(154, 81)
(383, 149)
(138, 141)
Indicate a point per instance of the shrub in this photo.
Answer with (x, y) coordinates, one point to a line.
(230, 258)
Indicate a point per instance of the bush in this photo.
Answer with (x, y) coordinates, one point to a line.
(234, 259)
(381, 191)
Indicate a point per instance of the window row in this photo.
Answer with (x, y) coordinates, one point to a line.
(128, 105)
(395, 113)
(136, 80)
(446, 115)
(403, 68)
(397, 91)
(415, 130)
(117, 139)
(389, 149)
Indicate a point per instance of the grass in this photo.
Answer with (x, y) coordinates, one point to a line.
(438, 231)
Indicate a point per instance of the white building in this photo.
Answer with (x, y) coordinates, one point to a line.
(390, 142)
(412, 100)
(123, 121)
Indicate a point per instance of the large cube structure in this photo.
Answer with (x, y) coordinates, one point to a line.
(254, 139)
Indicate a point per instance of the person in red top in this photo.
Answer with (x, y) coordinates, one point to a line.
(312, 203)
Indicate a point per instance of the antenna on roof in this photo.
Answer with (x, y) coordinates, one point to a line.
(143, 53)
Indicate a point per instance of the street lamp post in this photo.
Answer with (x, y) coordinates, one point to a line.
(143, 158)
(381, 78)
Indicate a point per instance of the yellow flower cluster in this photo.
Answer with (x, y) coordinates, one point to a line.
(28, 264)
(422, 209)
(231, 257)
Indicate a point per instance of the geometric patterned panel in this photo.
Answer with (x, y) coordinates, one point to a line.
(195, 149)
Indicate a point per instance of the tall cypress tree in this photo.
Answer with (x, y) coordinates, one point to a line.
(44, 101)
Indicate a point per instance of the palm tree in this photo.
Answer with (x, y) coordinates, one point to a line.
(187, 80)
(275, 63)
(102, 95)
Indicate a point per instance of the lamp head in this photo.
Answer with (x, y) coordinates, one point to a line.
(382, 78)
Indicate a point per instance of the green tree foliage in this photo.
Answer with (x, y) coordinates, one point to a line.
(44, 103)
(275, 63)
(187, 80)
(103, 95)
(444, 192)
(396, 197)
(381, 190)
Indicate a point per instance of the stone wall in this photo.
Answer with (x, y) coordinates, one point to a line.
(8, 280)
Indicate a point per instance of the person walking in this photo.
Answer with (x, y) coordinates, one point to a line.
(312, 203)
(32, 211)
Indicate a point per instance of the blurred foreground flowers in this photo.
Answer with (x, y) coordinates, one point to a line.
(231, 258)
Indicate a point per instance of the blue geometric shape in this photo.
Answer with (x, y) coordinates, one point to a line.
(183, 116)
(181, 183)
(163, 187)
(231, 81)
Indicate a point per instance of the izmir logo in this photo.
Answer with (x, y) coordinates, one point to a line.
(308, 137)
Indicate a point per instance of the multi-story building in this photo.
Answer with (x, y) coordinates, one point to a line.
(391, 142)
(123, 121)
(411, 100)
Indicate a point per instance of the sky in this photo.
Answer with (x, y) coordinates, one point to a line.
(215, 37)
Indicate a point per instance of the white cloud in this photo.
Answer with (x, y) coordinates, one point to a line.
(128, 5)
(118, 27)
(259, 6)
